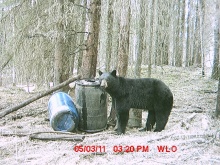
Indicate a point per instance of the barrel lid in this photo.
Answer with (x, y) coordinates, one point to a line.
(64, 120)
(88, 82)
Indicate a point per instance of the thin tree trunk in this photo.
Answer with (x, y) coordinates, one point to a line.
(140, 40)
(183, 38)
(13, 69)
(151, 50)
(186, 58)
(178, 56)
(109, 35)
(0, 78)
(165, 39)
(201, 36)
(215, 72)
(161, 48)
(196, 43)
(2, 42)
(217, 110)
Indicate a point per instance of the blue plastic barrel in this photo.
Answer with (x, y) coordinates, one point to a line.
(62, 112)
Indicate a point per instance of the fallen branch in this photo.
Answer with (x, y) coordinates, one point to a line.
(19, 134)
(209, 91)
(168, 135)
(186, 123)
(15, 108)
(6, 63)
(194, 136)
(56, 135)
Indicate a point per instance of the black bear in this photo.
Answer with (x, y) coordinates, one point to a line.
(144, 93)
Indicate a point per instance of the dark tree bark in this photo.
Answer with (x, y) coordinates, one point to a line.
(59, 48)
(81, 39)
(217, 111)
(89, 61)
(124, 41)
(109, 36)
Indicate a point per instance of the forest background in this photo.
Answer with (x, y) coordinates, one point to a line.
(49, 41)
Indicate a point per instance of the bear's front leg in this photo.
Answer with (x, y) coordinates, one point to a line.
(122, 121)
(112, 117)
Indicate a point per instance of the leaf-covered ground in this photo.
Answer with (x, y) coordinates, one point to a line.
(192, 135)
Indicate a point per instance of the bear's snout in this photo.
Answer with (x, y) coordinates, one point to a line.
(104, 84)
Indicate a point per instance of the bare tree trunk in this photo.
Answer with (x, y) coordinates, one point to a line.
(182, 42)
(178, 55)
(217, 110)
(165, 36)
(202, 36)
(2, 43)
(13, 68)
(13, 75)
(81, 39)
(116, 46)
(109, 35)
(151, 46)
(161, 45)
(123, 51)
(215, 71)
(183, 39)
(196, 43)
(186, 58)
(124, 40)
(59, 47)
(89, 61)
(0, 78)
(140, 39)
(71, 44)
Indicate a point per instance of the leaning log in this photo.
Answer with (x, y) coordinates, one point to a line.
(45, 93)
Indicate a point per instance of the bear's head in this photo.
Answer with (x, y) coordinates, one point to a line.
(107, 79)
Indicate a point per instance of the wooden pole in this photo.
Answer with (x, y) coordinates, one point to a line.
(15, 108)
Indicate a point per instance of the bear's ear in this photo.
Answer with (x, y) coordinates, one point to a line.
(100, 72)
(113, 73)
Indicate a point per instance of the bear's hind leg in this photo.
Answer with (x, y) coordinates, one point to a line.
(150, 121)
(122, 121)
(161, 120)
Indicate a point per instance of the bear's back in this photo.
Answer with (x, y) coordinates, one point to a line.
(144, 92)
